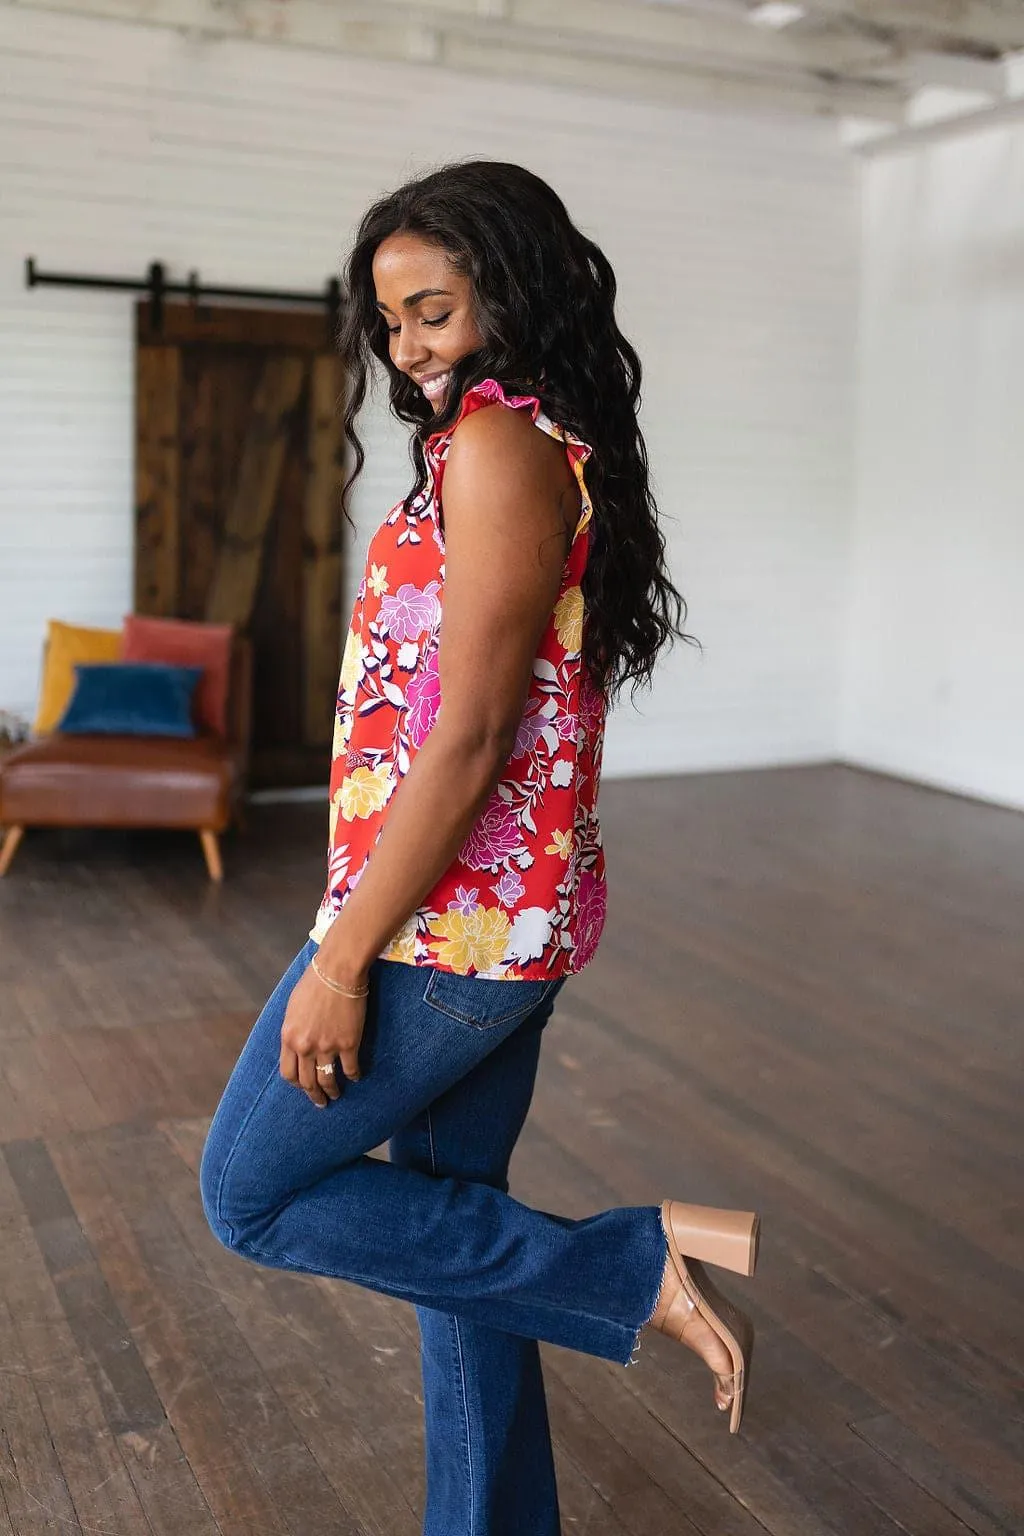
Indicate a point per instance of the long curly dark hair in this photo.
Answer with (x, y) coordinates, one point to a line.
(545, 306)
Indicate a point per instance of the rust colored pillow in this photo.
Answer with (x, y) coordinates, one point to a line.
(186, 643)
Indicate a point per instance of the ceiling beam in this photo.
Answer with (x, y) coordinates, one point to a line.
(523, 44)
(609, 30)
(651, 31)
(968, 23)
(696, 85)
(672, 30)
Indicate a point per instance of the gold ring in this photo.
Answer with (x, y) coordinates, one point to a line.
(327, 1069)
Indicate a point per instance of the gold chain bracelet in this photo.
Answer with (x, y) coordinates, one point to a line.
(336, 986)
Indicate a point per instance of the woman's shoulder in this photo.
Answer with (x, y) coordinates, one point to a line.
(483, 411)
(496, 432)
(495, 427)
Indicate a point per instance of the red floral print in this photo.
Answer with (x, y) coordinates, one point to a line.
(526, 897)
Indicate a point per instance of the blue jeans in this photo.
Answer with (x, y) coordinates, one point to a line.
(448, 1066)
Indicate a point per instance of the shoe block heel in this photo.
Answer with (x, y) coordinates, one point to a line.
(727, 1239)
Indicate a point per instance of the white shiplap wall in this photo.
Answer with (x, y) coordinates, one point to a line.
(735, 242)
(934, 685)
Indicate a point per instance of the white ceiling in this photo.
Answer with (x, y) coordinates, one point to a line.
(854, 58)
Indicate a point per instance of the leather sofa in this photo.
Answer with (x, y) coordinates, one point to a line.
(196, 783)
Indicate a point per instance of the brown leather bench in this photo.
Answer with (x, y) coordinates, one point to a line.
(133, 781)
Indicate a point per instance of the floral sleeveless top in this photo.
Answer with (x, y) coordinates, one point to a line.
(525, 899)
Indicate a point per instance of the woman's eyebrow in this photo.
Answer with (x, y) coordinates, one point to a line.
(422, 293)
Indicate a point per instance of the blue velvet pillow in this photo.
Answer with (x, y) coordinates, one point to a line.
(131, 698)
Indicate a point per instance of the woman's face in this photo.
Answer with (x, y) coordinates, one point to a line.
(428, 309)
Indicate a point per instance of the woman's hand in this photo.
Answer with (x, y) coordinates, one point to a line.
(320, 1027)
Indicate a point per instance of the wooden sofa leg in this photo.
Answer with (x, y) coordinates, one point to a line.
(211, 852)
(10, 848)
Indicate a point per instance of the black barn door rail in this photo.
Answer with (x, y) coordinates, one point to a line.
(156, 285)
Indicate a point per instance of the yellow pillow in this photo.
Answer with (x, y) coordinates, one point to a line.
(67, 644)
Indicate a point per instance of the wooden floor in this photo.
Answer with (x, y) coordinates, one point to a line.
(810, 999)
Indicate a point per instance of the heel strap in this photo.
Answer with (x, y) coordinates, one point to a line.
(679, 1315)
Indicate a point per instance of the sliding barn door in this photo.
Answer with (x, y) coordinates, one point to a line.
(238, 507)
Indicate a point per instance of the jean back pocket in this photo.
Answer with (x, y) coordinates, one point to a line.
(484, 1004)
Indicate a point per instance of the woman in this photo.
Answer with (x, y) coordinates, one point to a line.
(506, 599)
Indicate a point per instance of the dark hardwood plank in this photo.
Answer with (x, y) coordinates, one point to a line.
(131, 1402)
(161, 1476)
(771, 1150)
(875, 1349)
(808, 999)
(255, 1471)
(46, 1085)
(560, 1118)
(93, 1476)
(32, 1482)
(700, 1501)
(678, 1398)
(964, 1495)
(360, 1421)
(581, 1504)
(623, 1482)
(913, 1505)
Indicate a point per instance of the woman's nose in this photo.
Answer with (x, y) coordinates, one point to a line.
(408, 349)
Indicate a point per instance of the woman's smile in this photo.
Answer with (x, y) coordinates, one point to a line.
(433, 385)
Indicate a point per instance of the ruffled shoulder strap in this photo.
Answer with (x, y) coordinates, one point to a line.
(490, 392)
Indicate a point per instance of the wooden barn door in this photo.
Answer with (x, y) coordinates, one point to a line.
(238, 507)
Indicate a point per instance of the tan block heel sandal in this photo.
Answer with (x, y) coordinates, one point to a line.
(698, 1235)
